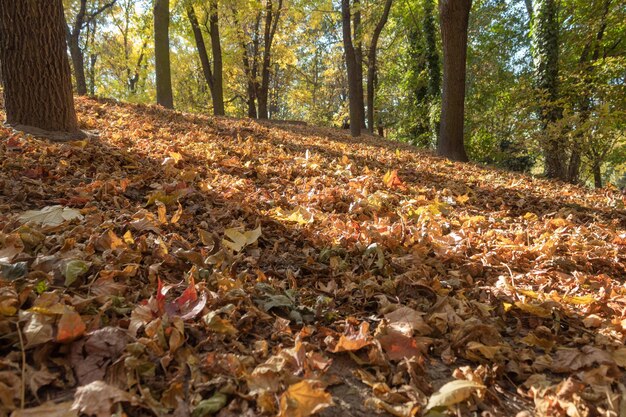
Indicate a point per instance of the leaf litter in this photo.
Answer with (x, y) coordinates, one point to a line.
(193, 266)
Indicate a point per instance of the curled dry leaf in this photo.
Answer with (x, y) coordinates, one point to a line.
(97, 399)
(353, 340)
(453, 392)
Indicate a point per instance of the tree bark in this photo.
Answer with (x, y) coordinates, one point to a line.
(358, 53)
(201, 47)
(597, 175)
(545, 45)
(162, 54)
(76, 53)
(36, 71)
(371, 64)
(351, 65)
(454, 17)
(216, 49)
(271, 24)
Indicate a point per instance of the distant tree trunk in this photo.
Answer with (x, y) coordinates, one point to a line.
(201, 47)
(351, 64)
(76, 53)
(162, 54)
(271, 24)
(74, 31)
(36, 71)
(358, 54)
(545, 48)
(434, 69)
(216, 49)
(371, 65)
(213, 76)
(586, 105)
(453, 18)
(597, 175)
(250, 66)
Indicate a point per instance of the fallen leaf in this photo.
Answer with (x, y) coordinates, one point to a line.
(237, 240)
(353, 340)
(452, 393)
(50, 215)
(98, 398)
(48, 409)
(303, 399)
(210, 406)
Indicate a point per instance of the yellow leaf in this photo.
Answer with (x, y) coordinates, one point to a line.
(462, 199)
(162, 212)
(303, 399)
(176, 217)
(579, 299)
(298, 215)
(452, 393)
(128, 238)
(237, 240)
(533, 309)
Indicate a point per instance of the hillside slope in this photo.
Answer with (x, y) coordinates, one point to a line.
(267, 267)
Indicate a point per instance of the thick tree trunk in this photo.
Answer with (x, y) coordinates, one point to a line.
(36, 71)
(351, 64)
(162, 54)
(371, 65)
(545, 44)
(454, 17)
(358, 54)
(216, 49)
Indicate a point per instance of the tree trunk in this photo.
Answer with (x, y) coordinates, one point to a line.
(434, 69)
(202, 52)
(271, 24)
(545, 45)
(216, 49)
(162, 54)
(371, 64)
(358, 53)
(351, 64)
(454, 17)
(76, 53)
(36, 71)
(597, 175)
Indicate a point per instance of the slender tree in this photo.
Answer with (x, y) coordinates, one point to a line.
(272, 16)
(212, 75)
(371, 64)
(433, 66)
(351, 65)
(38, 84)
(82, 19)
(162, 54)
(453, 19)
(357, 42)
(545, 50)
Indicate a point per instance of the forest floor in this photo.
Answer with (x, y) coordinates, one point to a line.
(189, 265)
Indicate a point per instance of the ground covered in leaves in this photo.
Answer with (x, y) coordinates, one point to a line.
(191, 266)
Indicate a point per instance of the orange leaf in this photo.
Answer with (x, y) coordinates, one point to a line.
(352, 340)
(71, 327)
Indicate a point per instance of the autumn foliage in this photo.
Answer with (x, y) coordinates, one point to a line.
(187, 265)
